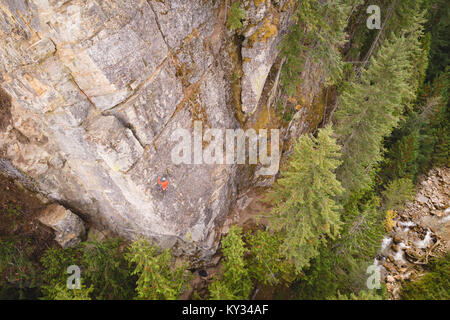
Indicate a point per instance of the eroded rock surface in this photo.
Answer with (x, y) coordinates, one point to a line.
(69, 228)
(98, 87)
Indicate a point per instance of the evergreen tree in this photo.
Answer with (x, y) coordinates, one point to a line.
(423, 138)
(234, 282)
(106, 269)
(402, 158)
(397, 192)
(434, 285)
(159, 278)
(266, 262)
(439, 121)
(305, 210)
(317, 34)
(369, 110)
(235, 16)
(362, 295)
(361, 239)
(438, 25)
(321, 279)
(55, 262)
(64, 293)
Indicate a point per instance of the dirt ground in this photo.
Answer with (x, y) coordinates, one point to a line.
(18, 225)
(5, 109)
(18, 211)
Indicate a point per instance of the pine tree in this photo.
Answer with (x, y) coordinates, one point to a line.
(402, 158)
(106, 269)
(235, 16)
(234, 283)
(266, 262)
(369, 110)
(434, 285)
(438, 25)
(321, 279)
(305, 211)
(361, 238)
(64, 293)
(159, 278)
(317, 34)
(422, 140)
(397, 192)
(439, 121)
(55, 262)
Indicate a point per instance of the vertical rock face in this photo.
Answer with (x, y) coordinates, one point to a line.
(96, 89)
(259, 49)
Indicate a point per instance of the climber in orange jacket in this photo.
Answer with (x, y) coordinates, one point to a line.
(163, 183)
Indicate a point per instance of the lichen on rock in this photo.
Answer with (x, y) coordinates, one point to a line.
(96, 90)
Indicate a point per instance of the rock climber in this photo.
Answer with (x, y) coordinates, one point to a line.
(163, 183)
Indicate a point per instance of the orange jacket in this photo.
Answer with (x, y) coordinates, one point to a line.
(163, 184)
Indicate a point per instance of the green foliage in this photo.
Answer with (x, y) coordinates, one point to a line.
(158, 277)
(391, 128)
(438, 25)
(362, 295)
(305, 211)
(55, 262)
(342, 263)
(234, 282)
(235, 16)
(13, 212)
(219, 290)
(317, 35)
(18, 272)
(371, 107)
(266, 262)
(397, 192)
(64, 293)
(369, 110)
(434, 285)
(320, 280)
(403, 16)
(439, 121)
(362, 232)
(435, 115)
(402, 158)
(293, 50)
(106, 270)
(423, 139)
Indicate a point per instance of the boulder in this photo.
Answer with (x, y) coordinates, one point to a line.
(69, 228)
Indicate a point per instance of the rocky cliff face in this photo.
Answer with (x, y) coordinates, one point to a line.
(92, 91)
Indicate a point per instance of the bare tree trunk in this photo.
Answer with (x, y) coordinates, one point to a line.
(226, 12)
(274, 89)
